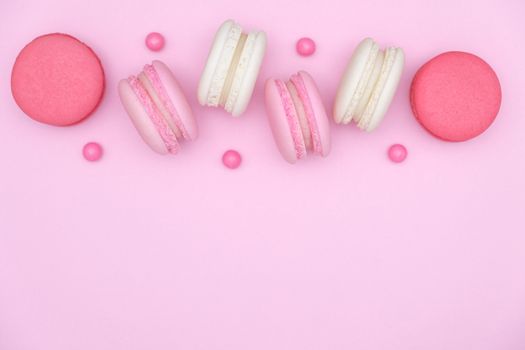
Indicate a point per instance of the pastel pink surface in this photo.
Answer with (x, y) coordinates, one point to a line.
(455, 96)
(57, 80)
(142, 252)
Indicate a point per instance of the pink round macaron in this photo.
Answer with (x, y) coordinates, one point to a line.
(158, 108)
(57, 80)
(455, 96)
(297, 117)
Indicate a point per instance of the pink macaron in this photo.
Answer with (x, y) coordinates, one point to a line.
(455, 96)
(158, 108)
(57, 80)
(297, 117)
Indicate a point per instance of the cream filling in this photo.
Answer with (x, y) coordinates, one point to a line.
(369, 86)
(222, 68)
(361, 85)
(232, 69)
(301, 115)
(148, 86)
(240, 73)
(368, 113)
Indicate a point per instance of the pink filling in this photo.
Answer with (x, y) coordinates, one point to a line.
(153, 77)
(293, 121)
(298, 82)
(167, 135)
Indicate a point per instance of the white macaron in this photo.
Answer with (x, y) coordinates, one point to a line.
(232, 68)
(368, 85)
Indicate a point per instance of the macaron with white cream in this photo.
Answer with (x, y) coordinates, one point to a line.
(368, 85)
(233, 64)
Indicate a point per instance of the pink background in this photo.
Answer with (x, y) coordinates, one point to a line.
(141, 251)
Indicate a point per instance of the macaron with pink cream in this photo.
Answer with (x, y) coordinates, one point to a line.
(297, 117)
(158, 108)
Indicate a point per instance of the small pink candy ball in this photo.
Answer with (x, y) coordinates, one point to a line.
(155, 41)
(231, 159)
(397, 153)
(92, 151)
(305, 46)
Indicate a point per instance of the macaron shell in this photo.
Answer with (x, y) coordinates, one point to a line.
(177, 97)
(388, 91)
(140, 118)
(323, 124)
(279, 122)
(250, 76)
(213, 60)
(350, 80)
(455, 96)
(57, 80)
